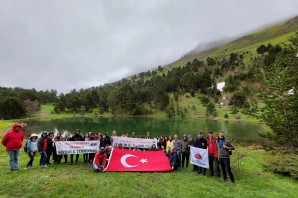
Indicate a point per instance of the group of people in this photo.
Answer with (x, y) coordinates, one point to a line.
(177, 151)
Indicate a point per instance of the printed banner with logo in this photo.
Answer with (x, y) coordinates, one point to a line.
(132, 142)
(76, 147)
(138, 161)
(199, 157)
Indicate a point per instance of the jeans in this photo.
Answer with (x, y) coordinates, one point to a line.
(14, 159)
(212, 160)
(31, 159)
(95, 167)
(49, 154)
(226, 167)
(185, 157)
(43, 158)
(202, 170)
(77, 158)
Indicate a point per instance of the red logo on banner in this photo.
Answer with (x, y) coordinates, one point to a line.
(198, 156)
(143, 161)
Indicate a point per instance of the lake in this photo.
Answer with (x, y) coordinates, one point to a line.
(238, 131)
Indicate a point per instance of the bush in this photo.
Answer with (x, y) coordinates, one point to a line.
(238, 99)
(285, 164)
(205, 100)
(210, 109)
(226, 116)
(234, 110)
(12, 108)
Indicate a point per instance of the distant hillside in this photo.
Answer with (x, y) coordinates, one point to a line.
(275, 35)
(187, 87)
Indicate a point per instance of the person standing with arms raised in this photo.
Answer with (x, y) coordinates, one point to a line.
(12, 140)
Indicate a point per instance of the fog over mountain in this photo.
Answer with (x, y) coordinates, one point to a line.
(67, 44)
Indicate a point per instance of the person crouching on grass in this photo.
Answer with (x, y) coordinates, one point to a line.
(31, 149)
(100, 160)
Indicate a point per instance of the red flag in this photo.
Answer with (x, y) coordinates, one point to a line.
(143, 161)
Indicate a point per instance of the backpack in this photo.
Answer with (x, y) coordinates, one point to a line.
(25, 147)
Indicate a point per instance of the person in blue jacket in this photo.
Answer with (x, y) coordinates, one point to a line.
(31, 149)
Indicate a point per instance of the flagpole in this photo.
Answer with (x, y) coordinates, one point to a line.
(109, 159)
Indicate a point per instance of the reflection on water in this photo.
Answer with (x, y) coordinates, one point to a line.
(234, 130)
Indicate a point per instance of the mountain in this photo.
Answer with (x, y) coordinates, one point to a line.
(276, 34)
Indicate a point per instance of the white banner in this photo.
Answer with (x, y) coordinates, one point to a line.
(132, 142)
(76, 147)
(199, 157)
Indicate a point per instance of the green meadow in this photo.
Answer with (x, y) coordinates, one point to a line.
(65, 180)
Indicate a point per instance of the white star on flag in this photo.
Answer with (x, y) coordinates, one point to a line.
(143, 161)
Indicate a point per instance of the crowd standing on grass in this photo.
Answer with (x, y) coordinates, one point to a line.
(177, 151)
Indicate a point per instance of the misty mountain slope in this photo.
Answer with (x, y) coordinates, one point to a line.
(276, 34)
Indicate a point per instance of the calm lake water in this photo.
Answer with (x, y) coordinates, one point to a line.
(240, 132)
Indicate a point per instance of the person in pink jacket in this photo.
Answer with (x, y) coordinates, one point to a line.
(12, 140)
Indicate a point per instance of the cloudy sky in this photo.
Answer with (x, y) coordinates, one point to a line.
(67, 44)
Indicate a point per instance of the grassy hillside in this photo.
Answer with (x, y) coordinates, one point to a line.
(275, 35)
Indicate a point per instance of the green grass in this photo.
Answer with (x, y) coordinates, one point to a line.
(80, 181)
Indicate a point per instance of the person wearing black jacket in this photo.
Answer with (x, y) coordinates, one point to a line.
(173, 158)
(106, 140)
(76, 137)
(50, 147)
(201, 143)
(191, 142)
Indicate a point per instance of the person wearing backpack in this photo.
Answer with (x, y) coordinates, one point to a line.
(31, 146)
(224, 152)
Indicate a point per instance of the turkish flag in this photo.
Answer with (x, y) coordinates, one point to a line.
(139, 161)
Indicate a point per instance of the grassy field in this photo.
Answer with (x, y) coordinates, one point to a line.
(65, 180)
(194, 107)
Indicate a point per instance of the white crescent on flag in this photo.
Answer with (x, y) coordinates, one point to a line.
(124, 163)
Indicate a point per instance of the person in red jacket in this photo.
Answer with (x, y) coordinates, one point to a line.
(213, 154)
(12, 140)
(100, 160)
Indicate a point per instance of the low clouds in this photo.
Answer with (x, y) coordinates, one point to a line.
(78, 44)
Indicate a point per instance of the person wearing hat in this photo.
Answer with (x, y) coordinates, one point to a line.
(31, 149)
(213, 154)
(224, 147)
(12, 140)
(42, 144)
(185, 150)
(100, 160)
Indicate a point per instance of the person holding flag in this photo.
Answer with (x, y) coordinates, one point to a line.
(100, 160)
(201, 143)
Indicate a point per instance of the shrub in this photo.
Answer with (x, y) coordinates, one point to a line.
(205, 100)
(226, 116)
(285, 164)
